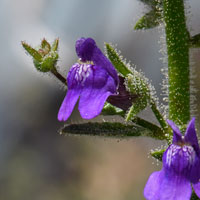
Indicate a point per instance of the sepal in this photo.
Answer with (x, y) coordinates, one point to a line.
(31, 51)
(137, 85)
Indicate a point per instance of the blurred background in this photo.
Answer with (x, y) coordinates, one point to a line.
(37, 163)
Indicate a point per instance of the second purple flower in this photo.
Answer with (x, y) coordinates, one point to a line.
(181, 167)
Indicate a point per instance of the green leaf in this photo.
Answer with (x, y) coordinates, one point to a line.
(116, 60)
(34, 53)
(195, 41)
(107, 129)
(149, 20)
(158, 154)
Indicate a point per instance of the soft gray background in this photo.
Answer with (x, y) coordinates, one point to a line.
(35, 161)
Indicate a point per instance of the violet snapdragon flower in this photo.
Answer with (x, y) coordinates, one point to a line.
(92, 81)
(181, 167)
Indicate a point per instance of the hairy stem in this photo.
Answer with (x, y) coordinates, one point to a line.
(177, 39)
(59, 76)
(159, 117)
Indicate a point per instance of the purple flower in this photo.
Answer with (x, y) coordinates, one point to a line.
(92, 81)
(181, 167)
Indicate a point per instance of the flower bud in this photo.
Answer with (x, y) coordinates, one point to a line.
(45, 57)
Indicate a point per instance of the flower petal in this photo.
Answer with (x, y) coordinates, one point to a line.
(101, 60)
(177, 136)
(73, 93)
(175, 188)
(191, 136)
(196, 188)
(164, 185)
(152, 188)
(194, 176)
(68, 104)
(97, 87)
(87, 50)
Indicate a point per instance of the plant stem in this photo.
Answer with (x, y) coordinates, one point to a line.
(177, 39)
(159, 117)
(58, 76)
(158, 132)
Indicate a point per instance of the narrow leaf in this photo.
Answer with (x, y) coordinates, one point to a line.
(116, 60)
(107, 129)
(149, 20)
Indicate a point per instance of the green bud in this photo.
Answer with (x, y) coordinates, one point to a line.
(47, 63)
(45, 56)
(135, 83)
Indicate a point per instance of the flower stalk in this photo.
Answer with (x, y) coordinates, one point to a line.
(59, 76)
(159, 117)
